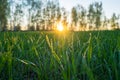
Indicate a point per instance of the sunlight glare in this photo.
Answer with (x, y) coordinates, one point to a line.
(60, 27)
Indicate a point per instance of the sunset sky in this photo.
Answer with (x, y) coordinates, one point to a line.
(109, 6)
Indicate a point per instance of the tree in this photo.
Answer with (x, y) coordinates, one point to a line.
(58, 16)
(98, 13)
(4, 13)
(105, 22)
(74, 17)
(94, 15)
(34, 12)
(90, 16)
(18, 14)
(50, 14)
(64, 17)
(81, 17)
(113, 21)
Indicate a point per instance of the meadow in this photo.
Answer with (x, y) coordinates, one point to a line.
(53, 55)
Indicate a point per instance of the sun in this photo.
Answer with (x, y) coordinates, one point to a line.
(60, 27)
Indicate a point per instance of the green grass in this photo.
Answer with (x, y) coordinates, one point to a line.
(60, 56)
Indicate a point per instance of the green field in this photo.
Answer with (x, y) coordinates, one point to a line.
(60, 55)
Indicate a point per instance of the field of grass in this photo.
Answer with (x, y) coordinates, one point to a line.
(60, 55)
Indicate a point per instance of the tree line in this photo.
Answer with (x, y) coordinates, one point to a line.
(46, 14)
